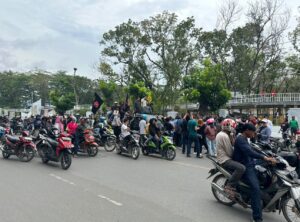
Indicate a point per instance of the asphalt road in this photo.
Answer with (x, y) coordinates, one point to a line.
(113, 188)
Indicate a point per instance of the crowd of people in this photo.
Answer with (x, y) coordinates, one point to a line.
(226, 139)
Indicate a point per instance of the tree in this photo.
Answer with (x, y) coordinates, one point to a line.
(139, 90)
(62, 101)
(295, 35)
(108, 91)
(158, 51)
(207, 86)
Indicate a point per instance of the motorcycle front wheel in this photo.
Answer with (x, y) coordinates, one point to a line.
(170, 154)
(290, 210)
(110, 144)
(221, 181)
(26, 154)
(135, 152)
(92, 150)
(65, 160)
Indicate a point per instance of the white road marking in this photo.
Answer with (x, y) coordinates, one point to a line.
(110, 200)
(191, 165)
(62, 179)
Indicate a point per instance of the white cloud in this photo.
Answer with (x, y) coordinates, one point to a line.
(61, 34)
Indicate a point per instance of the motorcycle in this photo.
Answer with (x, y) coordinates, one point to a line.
(280, 187)
(88, 145)
(106, 138)
(55, 149)
(131, 148)
(21, 146)
(166, 149)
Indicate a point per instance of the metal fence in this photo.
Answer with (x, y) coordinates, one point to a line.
(268, 98)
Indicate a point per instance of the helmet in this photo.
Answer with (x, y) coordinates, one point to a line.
(228, 124)
(102, 119)
(210, 121)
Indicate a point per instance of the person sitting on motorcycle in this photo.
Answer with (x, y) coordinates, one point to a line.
(79, 134)
(264, 132)
(125, 132)
(72, 126)
(245, 154)
(154, 132)
(224, 143)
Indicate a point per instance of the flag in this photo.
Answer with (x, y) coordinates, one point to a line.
(96, 103)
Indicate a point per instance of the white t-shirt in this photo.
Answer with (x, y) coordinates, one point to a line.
(142, 126)
(144, 102)
(124, 131)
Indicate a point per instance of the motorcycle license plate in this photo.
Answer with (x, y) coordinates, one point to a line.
(296, 192)
(66, 139)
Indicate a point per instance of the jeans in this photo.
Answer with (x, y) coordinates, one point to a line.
(238, 171)
(252, 181)
(194, 139)
(184, 141)
(211, 147)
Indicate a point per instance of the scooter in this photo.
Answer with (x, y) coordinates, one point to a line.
(166, 148)
(56, 150)
(88, 145)
(131, 148)
(21, 146)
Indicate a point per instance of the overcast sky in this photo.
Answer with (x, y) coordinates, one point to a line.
(62, 34)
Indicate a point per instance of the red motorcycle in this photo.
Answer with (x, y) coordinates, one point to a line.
(21, 146)
(88, 145)
(55, 149)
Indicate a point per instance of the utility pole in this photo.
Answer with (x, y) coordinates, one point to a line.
(74, 85)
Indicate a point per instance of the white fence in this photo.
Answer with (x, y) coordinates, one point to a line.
(268, 98)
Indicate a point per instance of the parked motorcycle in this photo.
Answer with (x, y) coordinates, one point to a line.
(56, 150)
(88, 145)
(106, 138)
(166, 149)
(280, 187)
(131, 148)
(21, 146)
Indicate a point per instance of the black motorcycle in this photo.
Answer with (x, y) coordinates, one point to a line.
(280, 187)
(106, 138)
(130, 147)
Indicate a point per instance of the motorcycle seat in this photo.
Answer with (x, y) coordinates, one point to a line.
(52, 142)
(13, 139)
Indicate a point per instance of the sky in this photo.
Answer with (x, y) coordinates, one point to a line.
(57, 35)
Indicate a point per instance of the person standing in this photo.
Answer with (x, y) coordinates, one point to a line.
(137, 105)
(210, 133)
(192, 127)
(116, 124)
(284, 128)
(142, 129)
(294, 126)
(184, 132)
(177, 131)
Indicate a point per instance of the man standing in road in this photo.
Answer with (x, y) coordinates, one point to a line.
(294, 126)
(193, 138)
(244, 154)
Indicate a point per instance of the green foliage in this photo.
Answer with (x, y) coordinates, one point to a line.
(108, 91)
(207, 86)
(139, 90)
(19, 90)
(62, 101)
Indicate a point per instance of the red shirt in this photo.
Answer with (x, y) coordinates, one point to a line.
(72, 126)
